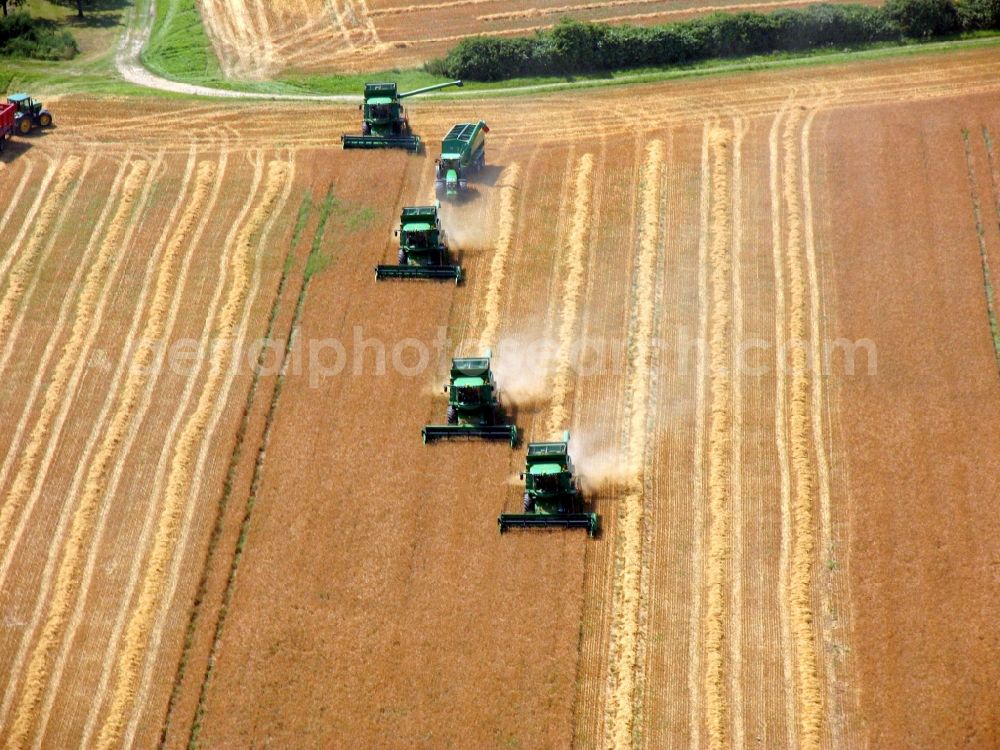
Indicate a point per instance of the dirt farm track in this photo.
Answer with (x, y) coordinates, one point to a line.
(758, 302)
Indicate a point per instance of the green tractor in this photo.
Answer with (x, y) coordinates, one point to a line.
(384, 123)
(473, 404)
(551, 497)
(423, 253)
(463, 153)
(30, 114)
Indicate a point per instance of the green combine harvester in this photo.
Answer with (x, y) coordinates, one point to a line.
(423, 253)
(473, 404)
(384, 123)
(29, 114)
(463, 153)
(551, 497)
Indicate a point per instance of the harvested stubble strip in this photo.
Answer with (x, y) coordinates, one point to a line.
(21, 271)
(573, 263)
(129, 411)
(180, 409)
(810, 698)
(67, 578)
(498, 266)
(626, 633)
(719, 442)
(179, 480)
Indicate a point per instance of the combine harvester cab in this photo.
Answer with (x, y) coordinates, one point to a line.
(551, 496)
(473, 405)
(384, 121)
(28, 114)
(423, 253)
(463, 154)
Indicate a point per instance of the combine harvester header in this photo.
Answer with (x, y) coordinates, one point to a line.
(423, 253)
(551, 496)
(463, 153)
(473, 404)
(384, 121)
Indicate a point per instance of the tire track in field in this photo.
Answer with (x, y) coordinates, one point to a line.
(720, 424)
(170, 436)
(501, 251)
(22, 269)
(159, 326)
(695, 697)
(69, 367)
(808, 690)
(271, 216)
(818, 399)
(407, 9)
(626, 629)
(736, 622)
(984, 257)
(781, 433)
(573, 265)
(53, 235)
(338, 22)
(180, 479)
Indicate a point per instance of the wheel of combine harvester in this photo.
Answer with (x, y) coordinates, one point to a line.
(529, 504)
(366, 128)
(452, 415)
(402, 257)
(45, 119)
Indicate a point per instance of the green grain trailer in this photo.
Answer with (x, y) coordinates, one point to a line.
(551, 496)
(463, 153)
(423, 253)
(473, 404)
(384, 122)
(29, 114)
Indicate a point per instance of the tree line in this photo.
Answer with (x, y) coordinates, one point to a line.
(574, 47)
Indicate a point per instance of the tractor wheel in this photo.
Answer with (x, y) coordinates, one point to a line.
(45, 119)
(529, 504)
(24, 125)
(452, 415)
(402, 257)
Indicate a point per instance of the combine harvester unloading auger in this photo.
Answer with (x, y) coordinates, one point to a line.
(384, 121)
(473, 405)
(423, 253)
(551, 496)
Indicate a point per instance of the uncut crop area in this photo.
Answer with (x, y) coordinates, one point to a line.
(791, 444)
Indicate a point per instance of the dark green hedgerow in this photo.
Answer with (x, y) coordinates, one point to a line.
(573, 47)
(24, 36)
